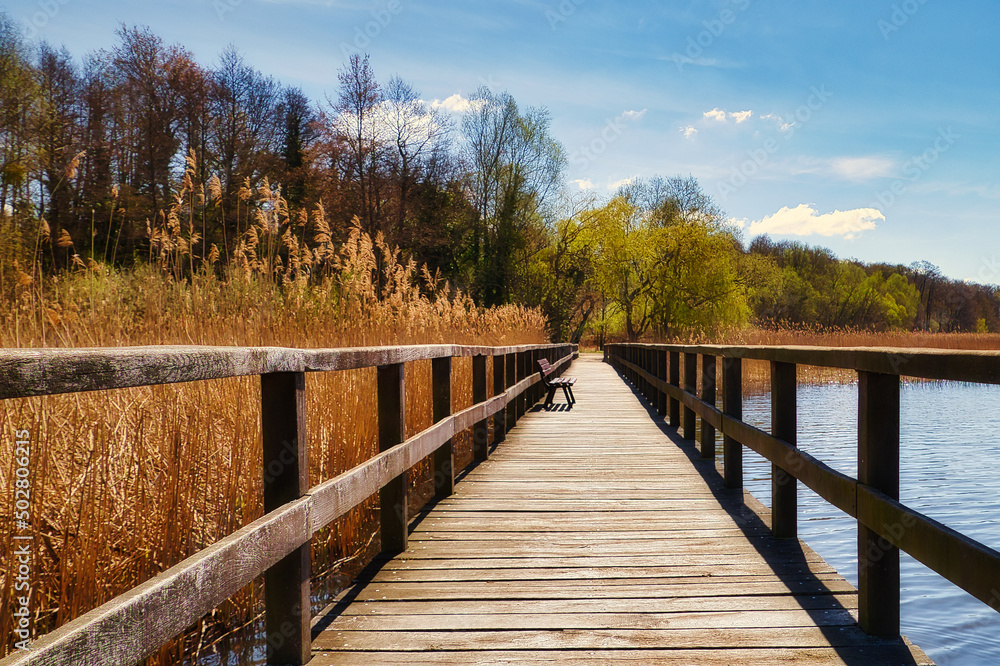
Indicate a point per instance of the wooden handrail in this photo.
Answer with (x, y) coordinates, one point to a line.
(135, 624)
(885, 524)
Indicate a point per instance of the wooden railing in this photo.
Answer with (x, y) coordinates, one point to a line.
(884, 524)
(137, 623)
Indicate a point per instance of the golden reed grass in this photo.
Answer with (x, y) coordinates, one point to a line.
(126, 483)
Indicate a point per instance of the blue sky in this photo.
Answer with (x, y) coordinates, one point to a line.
(868, 127)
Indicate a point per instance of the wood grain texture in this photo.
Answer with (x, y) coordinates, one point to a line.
(28, 372)
(955, 365)
(134, 625)
(596, 535)
(137, 623)
(971, 565)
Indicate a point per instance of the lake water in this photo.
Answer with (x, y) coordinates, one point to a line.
(950, 463)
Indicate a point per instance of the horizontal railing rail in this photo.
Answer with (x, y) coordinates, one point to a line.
(135, 624)
(885, 525)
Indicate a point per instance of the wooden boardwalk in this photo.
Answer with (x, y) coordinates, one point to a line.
(595, 536)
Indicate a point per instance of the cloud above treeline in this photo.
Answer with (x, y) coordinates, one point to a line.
(805, 220)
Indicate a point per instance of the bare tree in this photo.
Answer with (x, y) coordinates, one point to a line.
(356, 126)
(245, 107)
(419, 137)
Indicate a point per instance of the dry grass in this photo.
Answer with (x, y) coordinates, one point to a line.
(127, 483)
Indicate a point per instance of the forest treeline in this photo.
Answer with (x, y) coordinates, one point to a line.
(138, 154)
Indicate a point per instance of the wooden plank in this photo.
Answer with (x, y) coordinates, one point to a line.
(591, 532)
(391, 431)
(286, 479)
(480, 431)
(137, 623)
(977, 366)
(878, 468)
(28, 372)
(796, 656)
(784, 498)
(967, 563)
(707, 397)
(444, 456)
(134, 625)
(732, 405)
(499, 386)
(690, 385)
(675, 382)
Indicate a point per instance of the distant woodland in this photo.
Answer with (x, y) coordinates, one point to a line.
(139, 156)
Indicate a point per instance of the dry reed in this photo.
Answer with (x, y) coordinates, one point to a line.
(126, 483)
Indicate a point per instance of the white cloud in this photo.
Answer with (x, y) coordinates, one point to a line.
(859, 169)
(583, 183)
(803, 220)
(689, 131)
(456, 104)
(741, 116)
(621, 183)
(782, 125)
(632, 116)
(716, 114)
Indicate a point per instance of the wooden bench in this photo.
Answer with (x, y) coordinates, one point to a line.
(553, 383)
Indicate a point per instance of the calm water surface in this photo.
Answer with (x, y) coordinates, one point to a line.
(950, 463)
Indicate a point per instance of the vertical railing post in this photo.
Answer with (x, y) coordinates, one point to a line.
(286, 478)
(532, 369)
(644, 364)
(784, 501)
(732, 405)
(650, 366)
(510, 378)
(707, 395)
(481, 431)
(878, 467)
(690, 386)
(444, 456)
(675, 381)
(522, 372)
(661, 374)
(392, 431)
(499, 419)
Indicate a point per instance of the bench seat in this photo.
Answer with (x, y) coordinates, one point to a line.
(552, 384)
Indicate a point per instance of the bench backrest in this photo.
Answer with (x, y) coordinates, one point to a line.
(545, 369)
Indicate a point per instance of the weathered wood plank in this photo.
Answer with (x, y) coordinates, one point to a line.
(590, 532)
(28, 372)
(114, 633)
(729, 657)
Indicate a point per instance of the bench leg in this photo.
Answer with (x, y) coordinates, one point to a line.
(549, 397)
(569, 394)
